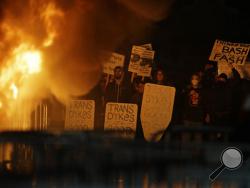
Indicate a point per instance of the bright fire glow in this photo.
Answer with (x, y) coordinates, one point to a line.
(14, 90)
(48, 15)
(29, 61)
(23, 62)
(21, 56)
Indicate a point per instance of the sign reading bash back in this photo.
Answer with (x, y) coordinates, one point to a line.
(121, 117)
(156, 111)
(80, 115)
(230, 52)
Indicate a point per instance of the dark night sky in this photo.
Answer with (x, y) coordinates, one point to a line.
(183, 41)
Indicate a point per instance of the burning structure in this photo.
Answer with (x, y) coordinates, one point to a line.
(53, 47)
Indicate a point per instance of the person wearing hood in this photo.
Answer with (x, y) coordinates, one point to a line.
(118, 90)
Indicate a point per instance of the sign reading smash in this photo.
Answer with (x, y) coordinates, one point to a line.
(80, 115)
(122, 117)
(230, 52)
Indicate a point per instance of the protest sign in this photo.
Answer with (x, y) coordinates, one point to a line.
(141, 61)
(80, 115)
(156, 111)
(135, 58)
(121, 117)
(230, 52)
(146, 63)
(111, 61)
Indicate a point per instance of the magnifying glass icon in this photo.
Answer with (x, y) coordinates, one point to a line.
(231, 159)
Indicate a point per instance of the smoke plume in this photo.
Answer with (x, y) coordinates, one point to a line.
(70, 35)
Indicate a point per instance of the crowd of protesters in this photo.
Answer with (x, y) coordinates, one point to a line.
(208, 99)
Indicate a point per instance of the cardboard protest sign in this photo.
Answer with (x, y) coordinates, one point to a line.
(121, 117)
(80, 115)
(141, 61)
(113, 60)
(135, 58)
(230, 52)
(156, 111)
(146, 63)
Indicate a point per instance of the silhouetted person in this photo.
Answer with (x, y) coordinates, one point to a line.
(160, 78)
(193, 108)
(119, 90)
(242, 107)
(209, 74)
(137, 99)
(193, 115)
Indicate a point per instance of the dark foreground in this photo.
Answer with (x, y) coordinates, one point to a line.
(87, 159)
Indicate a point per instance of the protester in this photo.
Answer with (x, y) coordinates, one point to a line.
(209, 74)
(119, 90)
(220, 114)
(220, 98)
(193, 107)
(137, 97)
(160, 78)
(135, 84)
(241, 108)
(244, 97)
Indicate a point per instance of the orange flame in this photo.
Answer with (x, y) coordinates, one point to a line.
(23, 58)
(51, 14)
